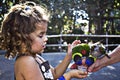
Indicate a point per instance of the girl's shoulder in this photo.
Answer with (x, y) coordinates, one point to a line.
(25, 61)
(25, 58)
(27, 66)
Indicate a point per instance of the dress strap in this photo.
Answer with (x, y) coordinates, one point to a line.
(42, 59)
(44, 67)
(39, 59)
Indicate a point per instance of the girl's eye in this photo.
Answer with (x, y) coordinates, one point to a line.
(40, 36)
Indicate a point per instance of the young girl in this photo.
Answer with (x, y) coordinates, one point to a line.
(24, 37)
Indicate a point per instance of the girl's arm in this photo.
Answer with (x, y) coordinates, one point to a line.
(61, 68)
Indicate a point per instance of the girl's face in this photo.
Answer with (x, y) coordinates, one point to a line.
(39, 38)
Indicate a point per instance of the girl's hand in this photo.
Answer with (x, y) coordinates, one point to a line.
(75, 74)
(70, 47)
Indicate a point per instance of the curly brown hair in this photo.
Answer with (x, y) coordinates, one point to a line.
(18, 23)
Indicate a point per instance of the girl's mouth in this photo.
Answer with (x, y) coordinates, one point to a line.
(44, 46)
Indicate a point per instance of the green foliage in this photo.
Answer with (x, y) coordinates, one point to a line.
(62, 18)
(100, 14)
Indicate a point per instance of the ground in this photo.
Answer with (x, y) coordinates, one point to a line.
(111, 72)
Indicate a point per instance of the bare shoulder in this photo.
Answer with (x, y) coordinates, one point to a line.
(27, 66)
(25, 63)
(25, 60)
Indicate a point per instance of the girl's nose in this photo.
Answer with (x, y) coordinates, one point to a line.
(46, 39)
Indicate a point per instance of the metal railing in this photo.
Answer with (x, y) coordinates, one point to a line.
(60, 45)
(79, 35)
(85, 36)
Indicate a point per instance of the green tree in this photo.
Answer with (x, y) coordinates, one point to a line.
(100, 13)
